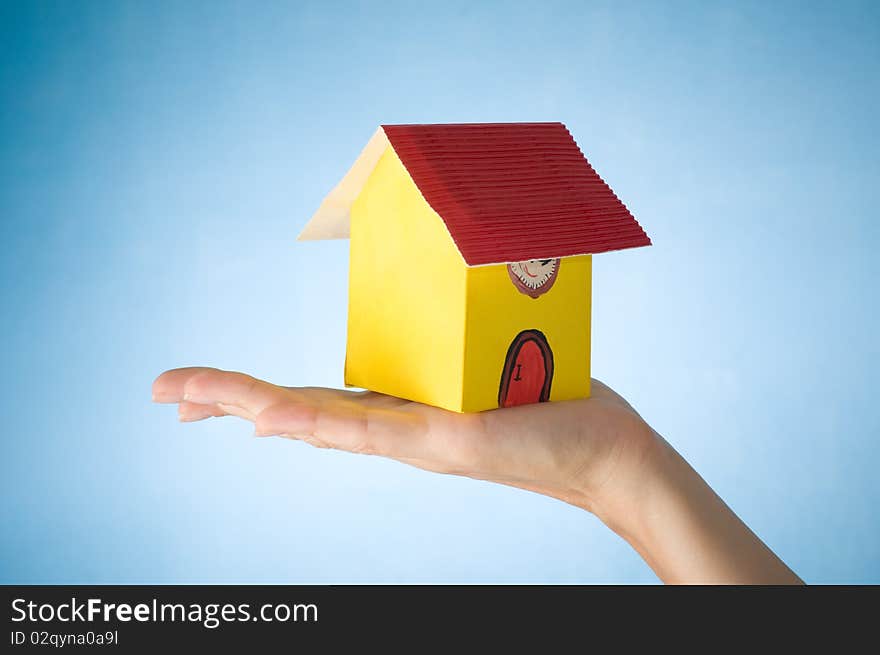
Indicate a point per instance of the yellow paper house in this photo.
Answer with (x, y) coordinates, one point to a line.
(470, 262)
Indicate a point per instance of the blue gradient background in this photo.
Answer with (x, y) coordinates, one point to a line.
(157, 161)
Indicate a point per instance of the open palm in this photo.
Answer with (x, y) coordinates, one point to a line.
(571, 450)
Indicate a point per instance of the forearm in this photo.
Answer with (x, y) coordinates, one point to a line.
(685, 532)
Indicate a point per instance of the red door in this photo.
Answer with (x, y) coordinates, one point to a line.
(528, 371)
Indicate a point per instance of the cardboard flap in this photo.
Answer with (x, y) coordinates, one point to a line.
(333, 217)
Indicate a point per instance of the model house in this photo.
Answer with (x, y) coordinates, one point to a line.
(470, 262)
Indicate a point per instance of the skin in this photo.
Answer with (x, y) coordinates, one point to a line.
(597, 454)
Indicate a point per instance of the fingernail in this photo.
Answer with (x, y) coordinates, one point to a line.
(187, 396)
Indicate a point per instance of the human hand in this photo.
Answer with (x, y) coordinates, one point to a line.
(578, 451)
(596, 453)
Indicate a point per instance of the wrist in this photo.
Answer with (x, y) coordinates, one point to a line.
(628, 501)
(650, 505)
(682, 528)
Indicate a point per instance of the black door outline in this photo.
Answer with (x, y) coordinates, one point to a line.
(510, 359)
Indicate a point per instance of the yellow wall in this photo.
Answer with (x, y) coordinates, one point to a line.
(424, 326)
(406, 294)
(497, 312)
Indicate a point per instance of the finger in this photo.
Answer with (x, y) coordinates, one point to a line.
(188, 411)
(370, 398)
(235, 393)
(168, 387)
(348, 425)
(312, 441)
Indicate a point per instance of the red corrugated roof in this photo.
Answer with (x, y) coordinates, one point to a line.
(514, 191)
